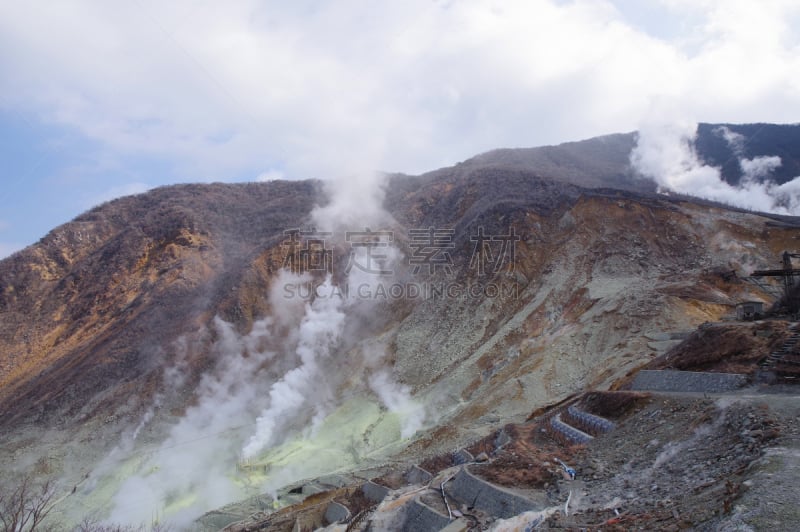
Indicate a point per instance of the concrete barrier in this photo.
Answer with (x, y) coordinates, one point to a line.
(687, 381)
(218, 520)
(312, 488)
(417, 475)
(502, 439)
(336, 513)
(568, 431)
(422, 518)
(588, 423)
(459, 525)
(494, 500)
(334, 481)
(374, 492)
(462, 456)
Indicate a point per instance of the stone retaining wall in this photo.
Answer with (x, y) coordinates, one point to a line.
(487, 497)
(687, 381)
(422, 518)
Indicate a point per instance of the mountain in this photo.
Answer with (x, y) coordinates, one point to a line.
(78, 301)
(601, 162)
(157, 321)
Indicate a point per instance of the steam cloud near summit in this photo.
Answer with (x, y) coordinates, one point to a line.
(355, 201)
(665, 152)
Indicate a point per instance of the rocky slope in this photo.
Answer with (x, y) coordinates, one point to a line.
(98, 318)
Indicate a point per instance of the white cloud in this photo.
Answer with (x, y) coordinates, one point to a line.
(351, 86)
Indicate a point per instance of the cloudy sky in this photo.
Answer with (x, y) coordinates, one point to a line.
(100, 99)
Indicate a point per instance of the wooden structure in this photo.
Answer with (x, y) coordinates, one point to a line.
(789, 274)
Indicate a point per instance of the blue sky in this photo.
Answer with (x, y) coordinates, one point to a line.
(102, 99)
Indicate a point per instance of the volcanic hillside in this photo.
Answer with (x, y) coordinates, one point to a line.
(603, 271)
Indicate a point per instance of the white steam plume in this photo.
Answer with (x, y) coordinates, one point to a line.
(759, 167)
(190, 470)
(281, 380)
(354, 203)
(397, 398)
(320, 333)
(665, 152)
(305, 391)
